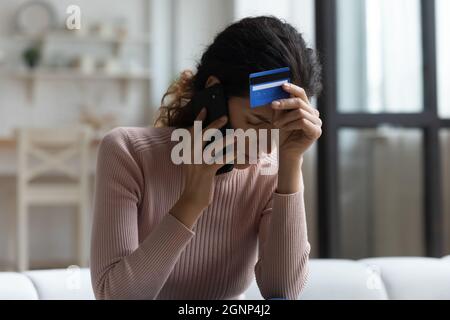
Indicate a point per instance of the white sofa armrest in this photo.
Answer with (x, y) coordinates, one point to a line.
(414, 278)
(336, 280)
(16, 286)
(342, 280)
(63, 284)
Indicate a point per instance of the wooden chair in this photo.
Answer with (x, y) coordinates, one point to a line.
(61, 153)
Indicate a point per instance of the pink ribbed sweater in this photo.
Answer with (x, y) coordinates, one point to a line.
(140, 251)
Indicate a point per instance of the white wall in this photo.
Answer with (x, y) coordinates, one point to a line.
(58, 103)
(300, 13)
(196, 22)
(162, 52)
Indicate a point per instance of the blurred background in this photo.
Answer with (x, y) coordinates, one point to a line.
(376, 184)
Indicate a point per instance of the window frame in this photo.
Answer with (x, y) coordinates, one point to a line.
(328, 147)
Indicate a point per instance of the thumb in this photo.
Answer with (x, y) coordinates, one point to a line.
(200, 117)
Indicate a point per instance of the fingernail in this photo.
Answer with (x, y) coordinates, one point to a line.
(276, 104)
(286, 85)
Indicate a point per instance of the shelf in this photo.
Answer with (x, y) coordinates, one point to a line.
(71, 36)
(30, 78)
(76, 75)
(10, 142)
(118, 43)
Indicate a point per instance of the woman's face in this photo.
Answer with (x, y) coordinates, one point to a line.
(242, 116)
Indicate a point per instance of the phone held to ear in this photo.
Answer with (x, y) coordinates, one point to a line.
(216, 104)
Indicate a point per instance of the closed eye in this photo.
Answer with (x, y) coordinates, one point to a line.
(257, 120)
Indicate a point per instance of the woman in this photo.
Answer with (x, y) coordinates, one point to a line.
(166, 231)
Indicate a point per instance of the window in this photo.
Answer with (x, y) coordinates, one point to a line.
(379, 56)
(383, 156)
(445, 147)
(443, 55)
(378, 193)
(381, 162)
(443, 73)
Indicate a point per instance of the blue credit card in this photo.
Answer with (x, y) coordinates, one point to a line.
(266, 87)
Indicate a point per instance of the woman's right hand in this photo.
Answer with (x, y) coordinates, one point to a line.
(199, 179)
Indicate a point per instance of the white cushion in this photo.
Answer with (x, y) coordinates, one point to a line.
(342, 280)
(369, 279)
(252, 293)
(16, 286)
(336, 280)
(414, 278)
(70, 284)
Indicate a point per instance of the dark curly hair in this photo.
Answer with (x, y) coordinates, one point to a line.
(250, 45)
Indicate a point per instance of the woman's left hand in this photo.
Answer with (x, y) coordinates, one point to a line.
(299, 123)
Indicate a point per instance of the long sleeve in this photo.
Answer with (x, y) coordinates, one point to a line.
(121, 267)
(282, 267)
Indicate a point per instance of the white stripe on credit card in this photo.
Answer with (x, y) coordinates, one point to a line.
(269, 85)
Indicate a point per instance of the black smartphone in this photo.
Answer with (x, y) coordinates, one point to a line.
(215, 101)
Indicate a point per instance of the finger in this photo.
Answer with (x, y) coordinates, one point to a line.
(230, 156)
(299, 92)
(296, 91)
(202, 115)
(311, 130)
(225, 151)
(221, 143)
(217, 124)
(276, 115)
(297, 115)
(292, 104)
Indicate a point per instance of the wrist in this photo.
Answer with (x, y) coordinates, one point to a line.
(187, 211)
(289, 174)
(290, 160)
(192, 201)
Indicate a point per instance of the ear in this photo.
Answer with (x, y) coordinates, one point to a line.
(212, 80)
